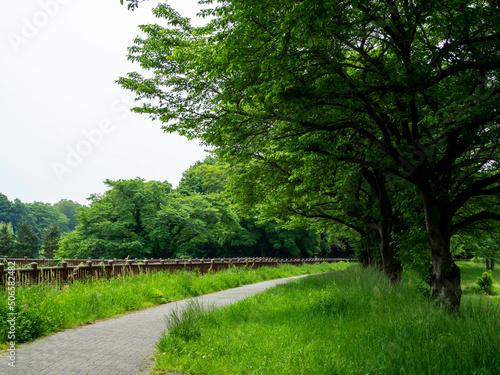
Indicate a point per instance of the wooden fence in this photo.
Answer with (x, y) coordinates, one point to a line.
(44, 271)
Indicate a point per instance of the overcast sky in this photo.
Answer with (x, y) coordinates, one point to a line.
(64, 122)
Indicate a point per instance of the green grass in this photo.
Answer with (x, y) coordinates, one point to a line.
(44, 309)
(470, 271)
(350, 321)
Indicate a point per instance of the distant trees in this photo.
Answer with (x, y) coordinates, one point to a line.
(37, 217)
(23, 242)
(69, 209)
(7, 239)
(50, 242)
(481, 244)
(26, 241)
(143, 219)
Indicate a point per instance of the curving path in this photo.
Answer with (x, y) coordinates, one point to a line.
(123, 345)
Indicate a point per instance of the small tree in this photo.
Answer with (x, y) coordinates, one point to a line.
(27, 241)
(485, 282)
(7, 239)
(50, 242)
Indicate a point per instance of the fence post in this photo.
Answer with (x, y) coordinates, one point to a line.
(2, 275)
(90, 270)
(34, 272)
(146, 266)
(107, 268)
(64, 273)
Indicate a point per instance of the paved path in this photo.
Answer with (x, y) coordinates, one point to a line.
(123, 345)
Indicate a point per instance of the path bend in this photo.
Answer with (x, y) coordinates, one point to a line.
(123, 345)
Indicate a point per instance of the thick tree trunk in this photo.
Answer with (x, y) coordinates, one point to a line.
(445, 274)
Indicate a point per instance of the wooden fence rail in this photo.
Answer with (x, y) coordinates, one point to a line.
(80, 269)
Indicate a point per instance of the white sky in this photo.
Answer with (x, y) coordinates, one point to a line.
(64, 122)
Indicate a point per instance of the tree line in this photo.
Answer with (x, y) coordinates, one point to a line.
(149, 219)
(34, 229)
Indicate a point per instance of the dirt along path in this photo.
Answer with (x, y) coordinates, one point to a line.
(123, 345)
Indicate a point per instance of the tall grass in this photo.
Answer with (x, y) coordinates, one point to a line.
(351, 321)
(43, 309)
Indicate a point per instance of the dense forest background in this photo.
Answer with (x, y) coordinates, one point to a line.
(140, 219)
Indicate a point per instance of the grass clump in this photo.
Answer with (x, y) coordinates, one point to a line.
(350, 321)
(46, 308)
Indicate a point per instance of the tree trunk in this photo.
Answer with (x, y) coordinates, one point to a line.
(262, 248)
(445, 274)
(391, 265)
(490, 264)
(366, 257)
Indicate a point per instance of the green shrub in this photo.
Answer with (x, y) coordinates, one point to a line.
(485, 282)
(30, 323)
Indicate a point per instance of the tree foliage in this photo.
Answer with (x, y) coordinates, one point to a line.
(7, 239)
(26, 242)
(40, 217)
(50, 242)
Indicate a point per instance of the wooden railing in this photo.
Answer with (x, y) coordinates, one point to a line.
(42, 271)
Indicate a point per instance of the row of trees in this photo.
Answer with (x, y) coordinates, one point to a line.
(139, 219)
(25, 242)
(33, 229)
(379, 115)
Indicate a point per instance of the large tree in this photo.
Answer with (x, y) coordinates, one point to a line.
(115, 223)
(406, 89)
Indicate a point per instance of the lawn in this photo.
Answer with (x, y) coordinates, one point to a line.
(350, 321)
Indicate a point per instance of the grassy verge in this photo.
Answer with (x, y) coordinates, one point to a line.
(346, 322)
(44, 309)
(470, 271)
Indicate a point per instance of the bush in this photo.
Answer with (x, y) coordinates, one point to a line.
(485, 282)
(29, 322)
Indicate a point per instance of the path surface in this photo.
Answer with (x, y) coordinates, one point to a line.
(123, 345)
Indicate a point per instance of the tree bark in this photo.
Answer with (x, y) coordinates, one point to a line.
(391, 265)
(445, 274)
(367, 255)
